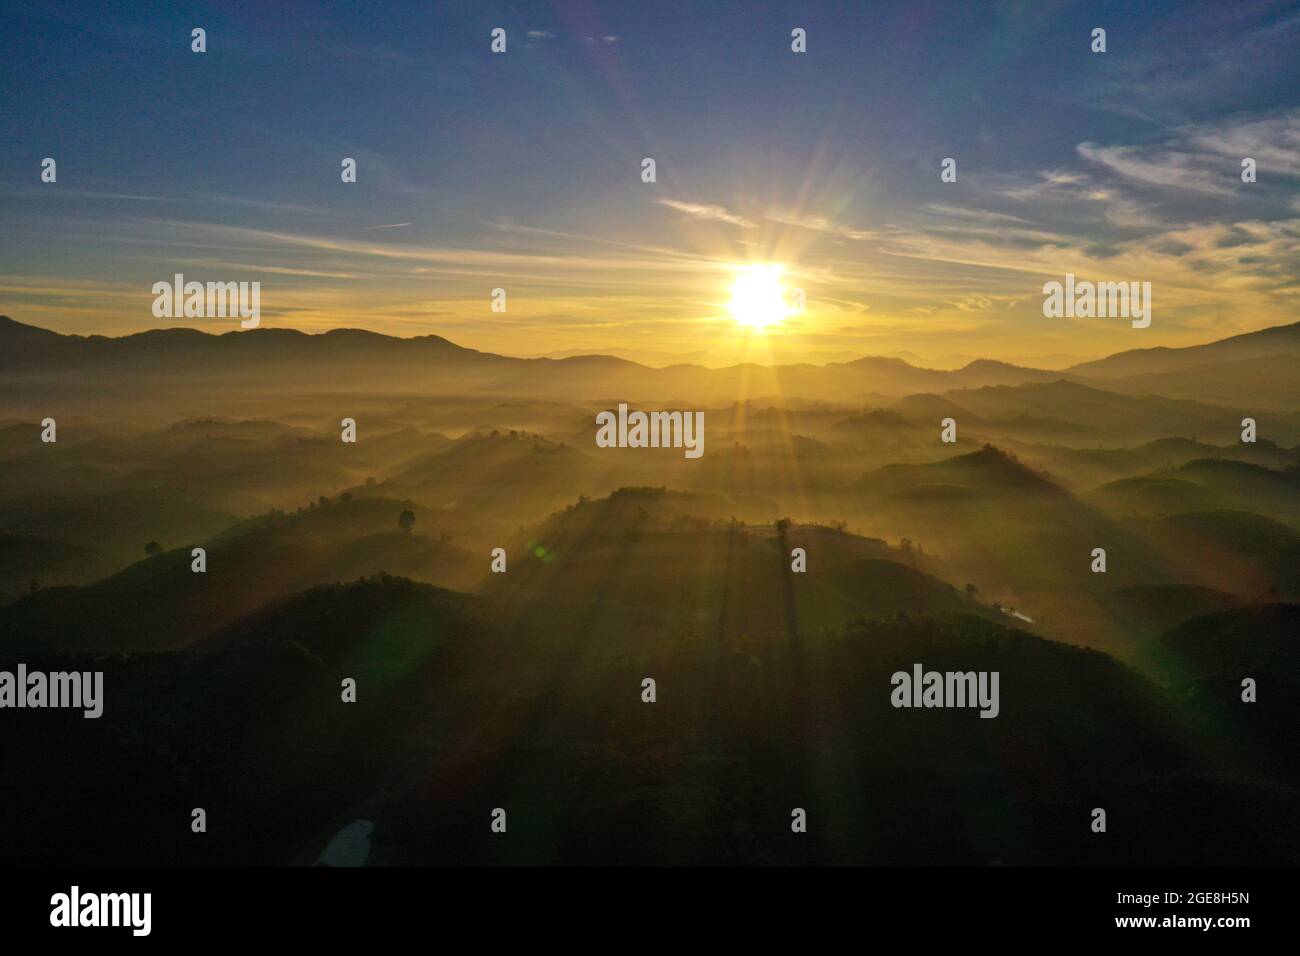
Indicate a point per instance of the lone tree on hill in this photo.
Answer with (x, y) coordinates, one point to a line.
(153, 549)
(406, 520)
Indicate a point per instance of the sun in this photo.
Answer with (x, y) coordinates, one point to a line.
(758, 298)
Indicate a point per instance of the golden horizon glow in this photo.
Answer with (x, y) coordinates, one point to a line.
(758, 298)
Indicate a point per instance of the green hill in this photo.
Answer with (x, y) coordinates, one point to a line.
(160, 603)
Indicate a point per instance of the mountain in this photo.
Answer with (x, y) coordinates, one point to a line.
(1256, 385)
(160, 603)
(30, 562)
(982, 372)
(1263, 344)
(1257, 641)
(1061, 407)
(1016, 534)
(116, 523)
(186, 359)
(664, 563)
(1249, 487)
(252, 719)
(1235, 551)
(442, 729)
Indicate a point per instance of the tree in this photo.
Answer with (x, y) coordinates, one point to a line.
(971, 591)
(153, 549)
(406, 520)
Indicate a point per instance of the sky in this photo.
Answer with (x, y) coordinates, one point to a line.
(522, 171)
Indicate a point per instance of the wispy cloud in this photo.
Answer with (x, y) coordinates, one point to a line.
(695, 210)
(1206, 158)
(1157, 167)
(822, 224)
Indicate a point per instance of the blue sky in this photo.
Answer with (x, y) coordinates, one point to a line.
(521, 170)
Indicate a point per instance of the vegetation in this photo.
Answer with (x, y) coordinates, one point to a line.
(478, 689)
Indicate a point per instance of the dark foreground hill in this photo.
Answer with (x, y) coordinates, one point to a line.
(456, 716)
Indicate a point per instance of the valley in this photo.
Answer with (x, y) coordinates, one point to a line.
(824, 540)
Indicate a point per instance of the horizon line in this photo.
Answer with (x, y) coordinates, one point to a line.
(616, 358)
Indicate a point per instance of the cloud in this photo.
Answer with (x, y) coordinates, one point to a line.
(705, 211)
(1206, 158)
(250, 267)
(1052, 185)
(1274, 143)
(982, 215)
(1155, 167)
(1062, 177)
(821, 224)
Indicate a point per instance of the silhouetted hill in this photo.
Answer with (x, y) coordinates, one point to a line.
(648, 562)
(1257, 386)
(254, 722)
(118, 523)
(1159, 607)
(223, 689)
(985, 372)
(988, 471)
(188, 359)
(1208, 662)
(1154, 495)
(189, 348)
(1086, 413)
(1024, 541)
(1234, 551)
(884, 588)
(1263, 344)
(1088, 468)
(1248, 487)
(1251, 345)
(161, 603)
(30, 561)
(1259, 641)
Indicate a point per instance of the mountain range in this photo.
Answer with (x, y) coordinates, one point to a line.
(1250, 370)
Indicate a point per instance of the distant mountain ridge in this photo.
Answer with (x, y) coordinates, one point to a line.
(238, 358)
(1263, 343)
